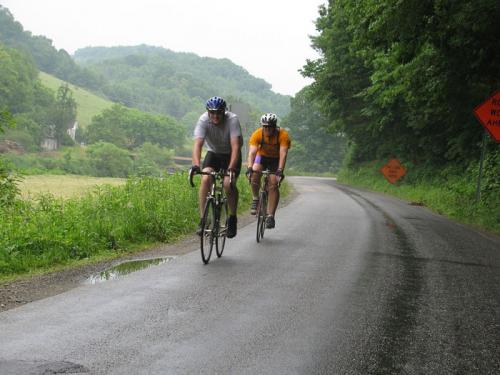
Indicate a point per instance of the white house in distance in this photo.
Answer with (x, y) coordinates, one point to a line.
(50, 142)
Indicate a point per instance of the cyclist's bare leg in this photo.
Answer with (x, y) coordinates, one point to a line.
(274, 195)
(204, 188)
(232, 196)
(255, 180)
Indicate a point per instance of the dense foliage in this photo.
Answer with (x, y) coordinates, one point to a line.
(36, 111)
(401, 78)
(159, 80)
(8, 185)
(315, 147)
(130, 128)
(101, 159)
(8, 181)
(46, 57)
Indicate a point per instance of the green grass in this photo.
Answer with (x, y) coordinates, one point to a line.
(88, 104)
(48, 233)
(447, 193)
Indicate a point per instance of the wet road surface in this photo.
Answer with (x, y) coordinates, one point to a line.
(349, 282)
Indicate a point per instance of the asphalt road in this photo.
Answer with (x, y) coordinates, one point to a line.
(349, 282)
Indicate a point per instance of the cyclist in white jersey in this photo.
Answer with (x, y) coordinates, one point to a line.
(220, 131)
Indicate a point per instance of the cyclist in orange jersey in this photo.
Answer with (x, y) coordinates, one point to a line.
(268, 149)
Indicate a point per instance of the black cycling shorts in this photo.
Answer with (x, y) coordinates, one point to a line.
(267, 162)
(220, 161)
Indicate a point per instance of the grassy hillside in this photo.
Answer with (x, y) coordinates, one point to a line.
(88, 104)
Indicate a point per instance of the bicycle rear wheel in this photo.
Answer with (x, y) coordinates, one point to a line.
(220, 240)
(261, 216)
(207, 237)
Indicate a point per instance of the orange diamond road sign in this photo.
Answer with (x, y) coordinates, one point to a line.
(488, 114)
(393, 170)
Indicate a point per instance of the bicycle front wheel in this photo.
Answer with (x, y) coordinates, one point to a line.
(220, 240)
(207, 236)
(261, 216)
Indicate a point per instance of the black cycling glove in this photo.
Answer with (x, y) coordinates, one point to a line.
(249, 172)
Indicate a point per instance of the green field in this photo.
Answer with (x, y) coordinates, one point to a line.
(64, 186)
(88, 104)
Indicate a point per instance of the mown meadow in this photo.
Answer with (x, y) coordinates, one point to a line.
(47, 232)
(63, 186)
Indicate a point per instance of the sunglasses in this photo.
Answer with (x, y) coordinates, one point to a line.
(216, 112)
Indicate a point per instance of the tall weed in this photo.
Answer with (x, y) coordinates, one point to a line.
(52, 231)
(450, 191)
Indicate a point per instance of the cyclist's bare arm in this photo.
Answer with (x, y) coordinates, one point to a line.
(252, 152)
(235, 151)
(198, 145)
(283, 155)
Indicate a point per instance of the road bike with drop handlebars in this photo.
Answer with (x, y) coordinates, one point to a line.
(214, 221)
(262, 205)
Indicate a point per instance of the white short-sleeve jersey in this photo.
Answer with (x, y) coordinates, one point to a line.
(218, 137)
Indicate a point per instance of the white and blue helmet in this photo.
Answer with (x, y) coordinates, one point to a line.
(216, 104)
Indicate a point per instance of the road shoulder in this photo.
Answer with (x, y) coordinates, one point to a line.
(20, 292)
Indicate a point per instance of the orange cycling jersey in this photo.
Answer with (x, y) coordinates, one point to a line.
(270, 146)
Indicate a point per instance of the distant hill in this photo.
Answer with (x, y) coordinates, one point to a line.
(47, 58)
(151, 79)
(160, 80)
(88, 104)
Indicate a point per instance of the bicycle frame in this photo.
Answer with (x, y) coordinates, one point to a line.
(262, 205)
(215, 216)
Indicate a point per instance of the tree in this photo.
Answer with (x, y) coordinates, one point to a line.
(402, 78)
(43, 53)
(109, 160)
(6, 120)
(8, 181)
(64, 112)
(130, 128)
(152, 160)
(17, 77)
(158, 80)
(315, 148)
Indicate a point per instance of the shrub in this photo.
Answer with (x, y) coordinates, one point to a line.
(109, 160)
(8, 185)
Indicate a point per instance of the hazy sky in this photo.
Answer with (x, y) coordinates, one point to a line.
(269, 38)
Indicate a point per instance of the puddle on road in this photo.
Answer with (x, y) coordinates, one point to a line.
(125, 268)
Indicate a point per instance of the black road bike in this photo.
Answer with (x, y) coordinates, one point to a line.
(215, 216)
(262, 205)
